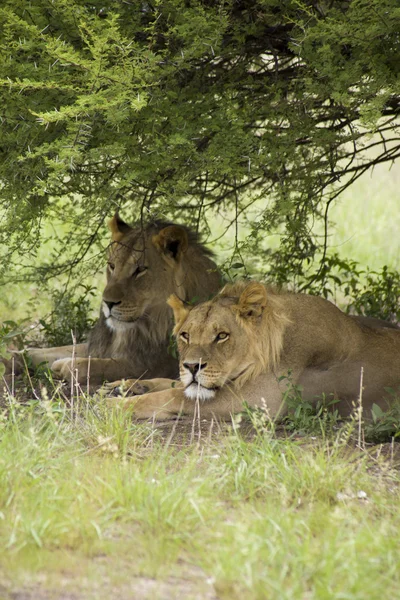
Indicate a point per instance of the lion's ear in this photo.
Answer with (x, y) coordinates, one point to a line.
(252, 300)
(178, 307)
(172, 241)
(118, 228)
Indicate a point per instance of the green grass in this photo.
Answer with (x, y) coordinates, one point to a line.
(101, 501)
(365, 220)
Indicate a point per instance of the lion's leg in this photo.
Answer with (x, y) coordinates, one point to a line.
(165, 404)
(37, 356)
(49, 355)
(169, 403)
(267, 391)
(95, 369)
(98, 370)
(139, 386)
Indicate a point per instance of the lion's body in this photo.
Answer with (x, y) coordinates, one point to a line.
(132, 335)
(267, 340)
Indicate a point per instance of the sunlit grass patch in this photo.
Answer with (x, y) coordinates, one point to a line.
(67, 480)
(366, 219)
(261, 518)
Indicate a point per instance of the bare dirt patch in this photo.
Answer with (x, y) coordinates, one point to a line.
(102, 584)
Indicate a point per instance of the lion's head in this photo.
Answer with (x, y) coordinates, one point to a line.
(229, 339)
(145, 266)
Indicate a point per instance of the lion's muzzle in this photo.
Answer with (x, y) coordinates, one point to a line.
(195, 380)
(118, 316)
(195, 391)
(194, 367)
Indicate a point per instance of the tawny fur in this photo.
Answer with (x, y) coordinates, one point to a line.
(132, 338)
(249, 343)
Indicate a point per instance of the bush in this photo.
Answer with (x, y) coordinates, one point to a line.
(71, 315)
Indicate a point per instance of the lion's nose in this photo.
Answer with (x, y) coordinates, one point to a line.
(111, 304)
(194, 367)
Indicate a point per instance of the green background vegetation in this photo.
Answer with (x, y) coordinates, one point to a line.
(255, 113)
(257, 122)
(365, 222)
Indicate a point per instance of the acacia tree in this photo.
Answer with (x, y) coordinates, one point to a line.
(187, 108)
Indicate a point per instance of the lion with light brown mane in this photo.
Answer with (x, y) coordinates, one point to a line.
(146, 264)
(241, 345)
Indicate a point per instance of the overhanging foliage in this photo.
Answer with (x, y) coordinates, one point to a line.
(187, 108)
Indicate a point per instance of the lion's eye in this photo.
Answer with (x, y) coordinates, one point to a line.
(184, 336)
(111, 266)
(222, 337)
(139, 271)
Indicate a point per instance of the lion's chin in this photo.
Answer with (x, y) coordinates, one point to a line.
(195, 391)
(117, 325)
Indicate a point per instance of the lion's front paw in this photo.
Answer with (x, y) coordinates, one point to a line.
(139, 388)
(112, 388)
(124, 387)
(63, 367)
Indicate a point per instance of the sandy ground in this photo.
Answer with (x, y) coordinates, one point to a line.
(191, 585)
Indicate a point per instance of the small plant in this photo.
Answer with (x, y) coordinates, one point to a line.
(378, 297)
(367, 293)
(308, 417)
(71, 313)
(4, 355)
(385, 425)
(303, 417)
(172, 347)
(259, 418)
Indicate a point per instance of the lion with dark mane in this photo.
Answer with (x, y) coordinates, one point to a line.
(247, 341)
(131, 339)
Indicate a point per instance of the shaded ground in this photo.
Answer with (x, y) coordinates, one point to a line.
(186, 431)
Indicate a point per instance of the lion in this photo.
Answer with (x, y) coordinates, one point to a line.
(244, 345)
(132, 336)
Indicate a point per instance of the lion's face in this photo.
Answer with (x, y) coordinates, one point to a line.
(212, 351)
(230, 339)
(215, 342)
(138, 264)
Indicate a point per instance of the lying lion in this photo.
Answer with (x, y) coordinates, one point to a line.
(132, 337)
(242, 344)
